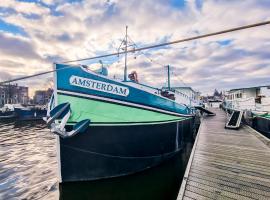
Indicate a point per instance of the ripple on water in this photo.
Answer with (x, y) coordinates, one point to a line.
(28, 167)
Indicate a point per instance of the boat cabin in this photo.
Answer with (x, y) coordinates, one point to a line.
(250, 98)
(185, 95)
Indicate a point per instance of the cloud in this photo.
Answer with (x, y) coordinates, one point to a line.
(17, 46)
(25, 7)
(67, 30)
(5, 75)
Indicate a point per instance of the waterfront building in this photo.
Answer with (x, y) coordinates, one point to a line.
(42, 97)
(13, 94)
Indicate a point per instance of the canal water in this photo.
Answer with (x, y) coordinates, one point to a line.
(28, 170)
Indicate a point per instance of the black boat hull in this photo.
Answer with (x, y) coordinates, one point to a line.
(32, 114)
(112, 151)
(262, 125)
(7, 115)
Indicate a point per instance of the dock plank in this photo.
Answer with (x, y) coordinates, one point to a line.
(227, 164)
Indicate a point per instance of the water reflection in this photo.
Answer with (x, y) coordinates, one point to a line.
(27, 161)
(28, 170)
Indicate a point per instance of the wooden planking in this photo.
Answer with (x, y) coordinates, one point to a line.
(227, 164)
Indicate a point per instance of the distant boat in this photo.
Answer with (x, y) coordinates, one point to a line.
(255, 102)
(21, 113)
(30, 113)
(7, 112)
(109, 128)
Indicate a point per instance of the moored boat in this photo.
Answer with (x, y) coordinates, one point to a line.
(261, 122)
(255, 103)
(108, 128)
(7, 112)
(30, 113)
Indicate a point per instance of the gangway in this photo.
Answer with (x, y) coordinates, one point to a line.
(208, 112)
(234, 120)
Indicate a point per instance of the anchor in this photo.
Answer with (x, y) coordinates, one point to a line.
(63, 112)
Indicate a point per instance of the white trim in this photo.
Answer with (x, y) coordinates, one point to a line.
(135, 124)
(115, 89)
(140, 87)
(57, 136)
(122, 102)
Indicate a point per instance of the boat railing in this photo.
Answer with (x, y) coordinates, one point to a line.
(243, 103)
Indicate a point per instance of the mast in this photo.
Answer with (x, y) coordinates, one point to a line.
(169, 84)
(125, 72)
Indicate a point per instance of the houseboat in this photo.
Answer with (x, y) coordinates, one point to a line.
(255, 102)
(108, 128)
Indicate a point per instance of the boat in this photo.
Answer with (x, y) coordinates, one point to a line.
(255, 103)
(7, 112)
(24, 113)
(108, 128)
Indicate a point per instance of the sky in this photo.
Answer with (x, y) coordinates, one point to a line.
(36, 33)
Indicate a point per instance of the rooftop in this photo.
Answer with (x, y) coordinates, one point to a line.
(255, 87)
(181, 87)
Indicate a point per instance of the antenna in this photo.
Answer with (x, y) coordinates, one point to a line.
(169, 84)
(126, 43)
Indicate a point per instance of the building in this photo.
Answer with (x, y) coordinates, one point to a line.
(42, 97)
(13, 94)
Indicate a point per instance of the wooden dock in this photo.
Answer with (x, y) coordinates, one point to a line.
(227, 164)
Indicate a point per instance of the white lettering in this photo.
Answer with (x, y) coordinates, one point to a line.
(99, 86)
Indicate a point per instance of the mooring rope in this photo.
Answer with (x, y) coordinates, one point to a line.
(145, 48)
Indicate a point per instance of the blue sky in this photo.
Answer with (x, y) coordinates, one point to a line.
(36, 33)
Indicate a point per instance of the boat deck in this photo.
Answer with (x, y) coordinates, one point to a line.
(227, 164)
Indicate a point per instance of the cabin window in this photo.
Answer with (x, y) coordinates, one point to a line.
(239, 95)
